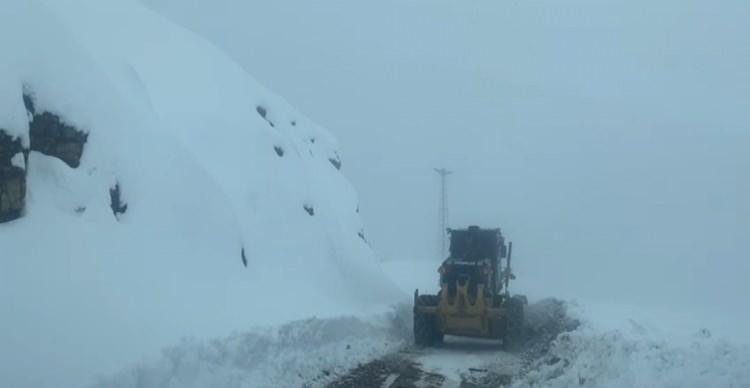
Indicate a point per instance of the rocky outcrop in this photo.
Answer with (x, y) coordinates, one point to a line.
(263, 112)
(12, 193)
(335, 161)
(9, 147)
(51, 136)
(12, 179)
(118, 205)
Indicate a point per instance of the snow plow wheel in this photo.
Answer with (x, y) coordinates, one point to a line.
(426, 332)
(514, 323)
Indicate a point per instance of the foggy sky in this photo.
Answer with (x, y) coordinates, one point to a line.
(609, 139)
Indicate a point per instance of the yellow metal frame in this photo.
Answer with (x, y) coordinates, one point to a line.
(459, 315)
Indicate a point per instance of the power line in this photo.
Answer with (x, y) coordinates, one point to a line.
(443, 209)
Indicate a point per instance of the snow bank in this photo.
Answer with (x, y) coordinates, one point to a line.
(237, 213)
(583, 344)
(308, 353)
(633, 354)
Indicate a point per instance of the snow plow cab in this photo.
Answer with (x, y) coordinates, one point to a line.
(473, 300)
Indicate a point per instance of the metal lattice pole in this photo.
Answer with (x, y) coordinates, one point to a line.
(443, 209)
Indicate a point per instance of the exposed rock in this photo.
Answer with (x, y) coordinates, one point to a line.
(244, 258)
(309, 209)
(51, 136)
(12, 192)
(28, 102)
(335, 161)
(12, 179)
(263, 112)
(116, 203)
(279, 151)
(9, 147)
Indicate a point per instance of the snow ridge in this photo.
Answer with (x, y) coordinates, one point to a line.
(593, 356)
(307, 353)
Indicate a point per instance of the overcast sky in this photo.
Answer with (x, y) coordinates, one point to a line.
(609, 139)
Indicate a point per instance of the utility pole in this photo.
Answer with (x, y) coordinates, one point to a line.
(443, 208)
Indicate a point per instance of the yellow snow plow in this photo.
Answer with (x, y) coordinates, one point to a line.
(473, 300)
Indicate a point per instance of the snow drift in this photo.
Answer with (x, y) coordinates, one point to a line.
(567, 346)
(305, 353)
(201, 202)
(620, 350)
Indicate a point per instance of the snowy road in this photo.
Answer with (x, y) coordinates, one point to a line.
(459, 362)
(567, 345)
(465, 362)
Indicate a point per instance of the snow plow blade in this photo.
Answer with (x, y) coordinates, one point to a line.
(462, 315)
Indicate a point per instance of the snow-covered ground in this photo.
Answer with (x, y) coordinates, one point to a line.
(238, 221)
(619, 351)
(237, 212)
(303, 353)
(612, 347)
(615, 346)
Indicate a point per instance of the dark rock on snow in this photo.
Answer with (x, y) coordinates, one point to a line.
(51, 136)
(116, 202)
(12, 179)
(336, 162)
(12, 192)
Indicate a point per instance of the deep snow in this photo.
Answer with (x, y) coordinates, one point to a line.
(306, 353)
(192, 141)
(610, 345)
(608, 139)
(215, 169)
(611, 350)
(591, 356)
(573, 344)
(613, 346)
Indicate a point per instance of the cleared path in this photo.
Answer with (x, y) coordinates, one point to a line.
(459, 362)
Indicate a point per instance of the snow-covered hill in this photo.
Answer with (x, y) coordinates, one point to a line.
(609, 139)
(201, 202)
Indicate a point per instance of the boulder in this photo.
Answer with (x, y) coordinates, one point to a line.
(9, 147)
(12, 192)
(12, 179)
(51, 136)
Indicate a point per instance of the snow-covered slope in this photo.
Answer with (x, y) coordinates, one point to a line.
(609, 139)
(237, 211)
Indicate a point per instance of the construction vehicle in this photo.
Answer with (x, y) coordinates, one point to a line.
(474, 299)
